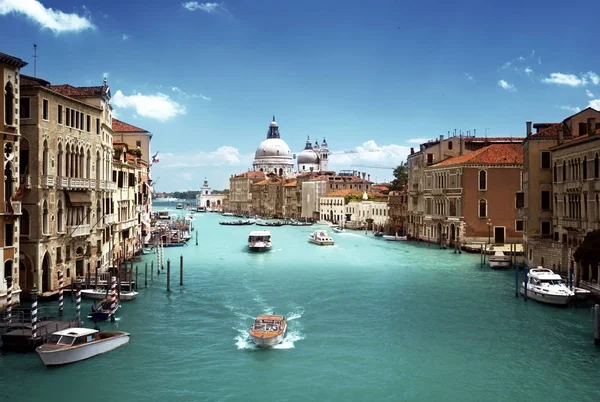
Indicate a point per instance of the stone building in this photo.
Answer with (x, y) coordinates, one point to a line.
(470, 198)
(367, 211)
(291, 200)
(273, 155)
(240, 196)
(15, 180)
(398, 212)
(332, 205)
(66, 148)
(311, 191)
(267, 196)
(209, 200)
(313, 158)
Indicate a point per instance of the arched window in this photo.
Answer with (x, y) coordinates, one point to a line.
(60, 220)
(45, 158)
(555, 172)
(596, 167)
(98, 166)
(67, 160)
(597, 207)
(482, 180)
(24, 222)
(45, 218)
(564, 172)
(565, 206)
(59, 161)
(9, 107)
(585, 168)
(88, 166)
(8, 182)
(450, 145)
(280, 172)
(482, 208)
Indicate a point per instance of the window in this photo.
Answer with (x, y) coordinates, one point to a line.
(97, 126)
(25, 108)
(482, 180)
(582, 128)
(59, 113)
(482, 208)
(545, 200)
(88, 123)
(450, 145)
(138, 143)
(545, 159)
(546, 228)
(72, 118)
(555, 174)
(8, 104)
(564, 175)
(596, 166)
(520, 202)
(519, 225)
(68, 117)
(58, 255)
(9, 234)
(45, 109)
(24, 222)
(584, 170)
(430, 159)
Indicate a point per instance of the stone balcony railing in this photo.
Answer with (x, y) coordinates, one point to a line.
(571, 223)
(81, 230)
(48, 181)
(110, 219)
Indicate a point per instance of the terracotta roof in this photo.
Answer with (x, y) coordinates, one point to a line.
(12, 60)
(291, 183)
(27, 80)
(342, 193)
(495, 154)
(251, 175)
(121, 127)
(577, 138)
(69, 90)
(495, 139)
(380, 187)
(547, 133)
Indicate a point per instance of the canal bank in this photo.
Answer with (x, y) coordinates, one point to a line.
(368, 320)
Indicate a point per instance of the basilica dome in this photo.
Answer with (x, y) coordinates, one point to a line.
(308, 154)
(273, 148)
(273, 154)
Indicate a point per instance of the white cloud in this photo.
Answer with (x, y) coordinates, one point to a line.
(528, 70)
(55, 20)
(105, 75)
(417, 140)
(207, 7)
(519, 59)
(505, 85)
(469, 77)
(595, 104)
(180, 92)
(224, 155)
(125, 37)
(589, 93)
(370, 154)
(570, 108)
(572, 80)
(158, 106)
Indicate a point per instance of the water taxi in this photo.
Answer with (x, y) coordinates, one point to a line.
(179, 206)
(499, 260)
(394, 237)
(543, 285)
(259, 240)
(321, 238)
(268, 330)
(76, 344)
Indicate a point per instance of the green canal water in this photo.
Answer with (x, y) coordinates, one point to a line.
(369, 320)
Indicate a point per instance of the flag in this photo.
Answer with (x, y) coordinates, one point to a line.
(21, 190)
(155, 158)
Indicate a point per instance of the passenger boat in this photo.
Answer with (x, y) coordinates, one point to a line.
(76, 344)
(545, 286)
(101, 312)
(237, 223)
(394, 238)
(321, 238)
(201, 209)
(259, 240)
(274, 224)
(179, 206)
(268, 330)
(499, 260)
(99, 294)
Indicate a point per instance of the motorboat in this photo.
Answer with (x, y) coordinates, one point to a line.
(179, 206)
(227, 214)
(321, 238)
(148, 250)
(101, 311)
(268, 330)
(99, 294)
(394, 238)
(499, 260)
(237, 223)
(545, 286)
(259, 240)
(76, 344)
(338, 230)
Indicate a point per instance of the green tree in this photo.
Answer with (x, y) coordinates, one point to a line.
(400, 177)
(588, 252)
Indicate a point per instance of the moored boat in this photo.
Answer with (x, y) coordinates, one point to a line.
(321, 238)
(268, 330)
(179, 206)
(101, 311)
(338, 229)
(99, 294)
(259, 240)
(76, 344)
(394, 238)
(236, 223)
(543, 285)
(499, 260)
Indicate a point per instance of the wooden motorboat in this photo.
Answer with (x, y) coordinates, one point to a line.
(99, 294)
(76, 344)
(101, 311)
(499, 260)
(338, 230)
(268, 330)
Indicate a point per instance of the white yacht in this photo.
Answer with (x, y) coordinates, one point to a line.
(75, 344)
(321, 238)
(395, 237)
(499, 260)
(545, 286)
(259, 240)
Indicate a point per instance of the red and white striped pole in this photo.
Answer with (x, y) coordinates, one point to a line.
(113, 297)
(9, 300)
(60, 293)
(78, 303)
(34, 312)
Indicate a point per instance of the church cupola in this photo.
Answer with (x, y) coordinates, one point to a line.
(308, 143)
(316, 146)
(273, 130)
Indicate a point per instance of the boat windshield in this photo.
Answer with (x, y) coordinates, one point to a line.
(258, 238)
(53, 339)
(66, 340)
(551, 281)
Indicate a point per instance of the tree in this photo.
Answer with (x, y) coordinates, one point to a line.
(401, 177)
(588, 252)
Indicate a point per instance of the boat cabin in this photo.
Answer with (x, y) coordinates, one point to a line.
(259, 235)
(268, 323)
(74, 337)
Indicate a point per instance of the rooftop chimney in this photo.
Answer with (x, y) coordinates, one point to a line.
(560, 134)
(369, 177)
(461, 144)
(591, 126)
(441, 153)
(364, 175)
(528, 128)
(358, 174)
(412, 150)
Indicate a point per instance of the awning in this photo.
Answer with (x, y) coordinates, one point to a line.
(79, 198)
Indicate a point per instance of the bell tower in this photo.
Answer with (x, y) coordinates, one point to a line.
(324, 156)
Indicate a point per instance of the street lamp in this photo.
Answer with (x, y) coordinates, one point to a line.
(489, 225)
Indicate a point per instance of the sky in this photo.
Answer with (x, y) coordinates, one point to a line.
(374, 77)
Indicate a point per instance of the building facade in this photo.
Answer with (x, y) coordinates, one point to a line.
(313, 158)
(240, 196)
(68, 208)
(14, 180)
(398, 212)
(209, 200)
(370, 212)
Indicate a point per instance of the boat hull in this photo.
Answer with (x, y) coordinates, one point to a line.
(321, 242)
(259, 249)
(394, 238)
(87, 294)
(267, 342)
(83, 352)
(499, 263)
(546, 298)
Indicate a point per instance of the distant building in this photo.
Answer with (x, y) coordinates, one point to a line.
(240, 196)
(273, 155)
(313, 158)
(209, 200)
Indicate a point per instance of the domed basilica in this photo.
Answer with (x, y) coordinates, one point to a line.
(273, 155)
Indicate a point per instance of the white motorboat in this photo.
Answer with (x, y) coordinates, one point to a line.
(321, 238)
(99, 294)
(394, 238)
(545, 286)
(76, 344)
(179, 206)
(259, 240)
(227, 214)
(338, 230)
(148, 250)
(499, 260)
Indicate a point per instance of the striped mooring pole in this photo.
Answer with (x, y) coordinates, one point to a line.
(78, 304)
(34, 312)
(60, 293)
(113, 297)
(9, 299)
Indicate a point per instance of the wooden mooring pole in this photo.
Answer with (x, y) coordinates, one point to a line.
(146, 275)
(597, 324)
(168, 275)
(136, 277)
(516, 280)
(181, 270)
(152, 270)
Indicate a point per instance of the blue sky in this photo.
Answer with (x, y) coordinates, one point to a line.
(376, 76)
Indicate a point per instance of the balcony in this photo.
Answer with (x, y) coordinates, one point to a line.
(111, 185)
(48, 181)
(78, 183)
(127, 224)
(62, 182)
(110, 219)
(572, 186)
(570, 223)
(81, 230)
(16, 207)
